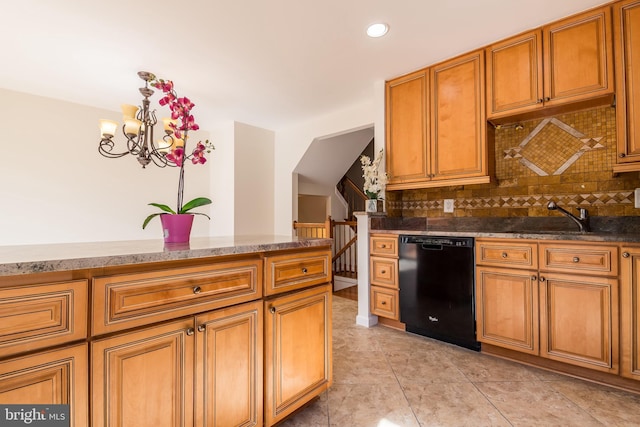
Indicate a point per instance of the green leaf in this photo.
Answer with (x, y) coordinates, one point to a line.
(197, 202)
(149, 218)
(200, 213)
(162, 207)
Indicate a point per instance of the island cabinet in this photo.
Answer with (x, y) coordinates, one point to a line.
(189, 342)
(560, 303)
(630, 312)
(435, 124)
(202, 370)
(383, 273)
(566, 62)
(298, 338)
(626, 23)
(43, 350)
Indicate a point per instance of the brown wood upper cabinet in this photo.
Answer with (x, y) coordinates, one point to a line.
(626, 24)
(568, 61)
(436, 125)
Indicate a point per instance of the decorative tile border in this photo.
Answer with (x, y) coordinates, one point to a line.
(526, 201)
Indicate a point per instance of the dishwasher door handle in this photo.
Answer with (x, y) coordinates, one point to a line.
(428, 247)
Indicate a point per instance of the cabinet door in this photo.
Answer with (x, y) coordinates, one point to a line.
(458, 127)
(406, 120)
(229, 367)
(630, 313)
(514, 75)
(385, 302)
(144, 378)
(297, 350)
(579, 321)
(52, 377)
(626, 23)
(384, 272)
(578, 57)
(507, 308)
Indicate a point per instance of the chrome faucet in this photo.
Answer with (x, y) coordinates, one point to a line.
(582, 221)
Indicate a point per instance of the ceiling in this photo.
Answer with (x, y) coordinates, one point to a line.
(266, 63)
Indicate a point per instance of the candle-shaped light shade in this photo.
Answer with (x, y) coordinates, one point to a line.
(178, 142)
(108, 128)
(132, 126)
(166, 122)
(129, 111)
(164, 146)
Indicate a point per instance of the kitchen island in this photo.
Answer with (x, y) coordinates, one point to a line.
(220, 331)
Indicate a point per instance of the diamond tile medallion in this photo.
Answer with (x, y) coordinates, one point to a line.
(552, 147)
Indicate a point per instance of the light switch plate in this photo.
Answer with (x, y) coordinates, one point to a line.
(637, 198)
(448, 205)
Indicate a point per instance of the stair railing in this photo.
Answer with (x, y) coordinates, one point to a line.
(345, 258)
(314, 230)
(352, 194)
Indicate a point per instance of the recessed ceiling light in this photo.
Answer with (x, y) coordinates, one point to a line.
(377, 30)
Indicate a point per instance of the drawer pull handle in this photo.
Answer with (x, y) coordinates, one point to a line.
(382, 271)
(576, 259)
(197, 290)
(272, 310)
(625, 254)
(542, 279)
(383, 302)
(190, 331)
(622, 155)
(201, 328)
(534, 278)
(504, 255)
(304, 270)
(382, 246)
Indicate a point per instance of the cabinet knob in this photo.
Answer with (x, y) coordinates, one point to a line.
(576, 259)
(539, 101)
(547, 99)
(383, 302)
(534, 277)
(382, 272)
(190, 331)
(625, 255)
(383, 246)
(197, 290)
(272, 310)
(201, 328)
(622, 155)
(542, 279)
(504, 255)
(304, 270)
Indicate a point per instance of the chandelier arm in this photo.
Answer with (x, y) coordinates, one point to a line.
(106, 149)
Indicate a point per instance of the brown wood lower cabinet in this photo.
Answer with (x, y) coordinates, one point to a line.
(578, 321)
(297, 350)
(148, 377)
(507, 308)
(630, 313)
(49, 377)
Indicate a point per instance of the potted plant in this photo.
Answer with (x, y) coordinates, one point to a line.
(176, 224)
(374, 182)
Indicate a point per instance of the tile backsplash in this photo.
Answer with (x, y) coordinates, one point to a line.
(567, 158)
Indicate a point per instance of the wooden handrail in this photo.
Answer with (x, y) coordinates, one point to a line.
(347, 181)
(314, 229)
(345, 248)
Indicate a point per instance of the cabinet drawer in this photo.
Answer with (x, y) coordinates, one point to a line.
(296, 270)
(506, 254)
(128, 300)
(42, 315)
(384, 302)
(383, 245)
(384, 272)
(585, 258)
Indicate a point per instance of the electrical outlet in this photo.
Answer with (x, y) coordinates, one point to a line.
(637, 198)
(448, 205)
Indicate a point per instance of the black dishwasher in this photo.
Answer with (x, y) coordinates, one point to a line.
(437, 286)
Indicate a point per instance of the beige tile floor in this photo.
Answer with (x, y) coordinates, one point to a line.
(388, 378)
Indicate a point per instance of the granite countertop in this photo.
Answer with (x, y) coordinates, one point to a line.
(75, 256)
(540, 235)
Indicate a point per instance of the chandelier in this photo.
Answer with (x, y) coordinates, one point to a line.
(138, 130)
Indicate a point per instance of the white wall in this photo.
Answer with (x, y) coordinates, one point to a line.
(222, 179)
(292, 142)
(57, 188)
(253, 186)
